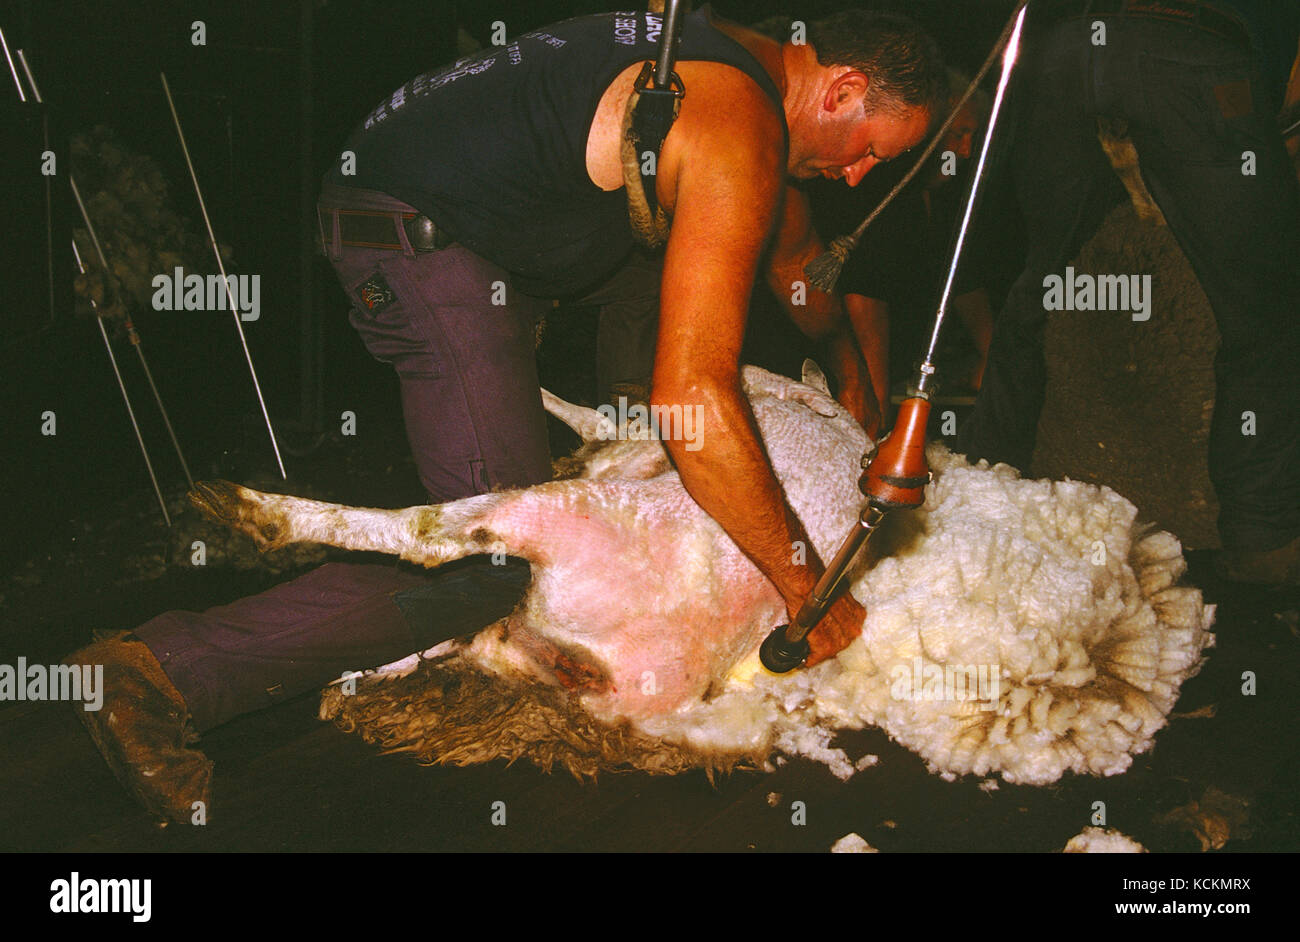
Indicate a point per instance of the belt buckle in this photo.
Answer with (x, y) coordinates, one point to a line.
(422, 234)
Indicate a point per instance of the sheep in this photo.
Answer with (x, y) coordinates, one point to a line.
(1014, 627)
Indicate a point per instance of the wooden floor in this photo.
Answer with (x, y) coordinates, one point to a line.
(286, 781)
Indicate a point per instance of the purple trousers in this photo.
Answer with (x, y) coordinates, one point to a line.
(462, 343)
(461, 340)
(297, 636)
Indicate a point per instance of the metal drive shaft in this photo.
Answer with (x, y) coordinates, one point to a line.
(1008, 60)
(787, 647)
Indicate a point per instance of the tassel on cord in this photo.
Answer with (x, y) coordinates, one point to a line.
(824, 270)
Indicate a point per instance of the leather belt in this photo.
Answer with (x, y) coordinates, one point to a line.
(373, 229)
(1189, 12)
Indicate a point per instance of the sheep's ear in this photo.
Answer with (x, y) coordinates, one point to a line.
(588, 423)
(814, 377)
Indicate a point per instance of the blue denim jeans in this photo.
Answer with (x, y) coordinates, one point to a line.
(1194, 103)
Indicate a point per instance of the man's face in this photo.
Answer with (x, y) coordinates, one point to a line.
(961, 135)
(851, 145)
(960, 139)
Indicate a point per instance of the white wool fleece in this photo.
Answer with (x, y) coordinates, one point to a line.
(1046, 586)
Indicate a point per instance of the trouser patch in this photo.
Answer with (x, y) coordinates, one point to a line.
(375, 293)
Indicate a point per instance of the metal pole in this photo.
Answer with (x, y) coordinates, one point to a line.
(672, 24)
(125, 398)
(49, 203)
(130, 327)
(139, 349)
(22, 96)
(1008, 60)
(230, 296)
(108, 274)
(311, 355)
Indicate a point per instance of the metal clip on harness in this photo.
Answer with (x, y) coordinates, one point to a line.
(651, 110)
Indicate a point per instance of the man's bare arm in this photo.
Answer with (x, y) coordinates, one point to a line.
(869, 318)
(818, 314)
(796, 243)
(727, 170)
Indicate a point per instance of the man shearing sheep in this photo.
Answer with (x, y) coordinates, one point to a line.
(479, 193)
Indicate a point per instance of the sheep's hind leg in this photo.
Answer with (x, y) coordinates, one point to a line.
(430, 535)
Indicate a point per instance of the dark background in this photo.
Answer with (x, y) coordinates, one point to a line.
(265, 105)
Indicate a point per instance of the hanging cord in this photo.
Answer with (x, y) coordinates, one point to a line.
(824, 270)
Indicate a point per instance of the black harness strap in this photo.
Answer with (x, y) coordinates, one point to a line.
(652, 108)
(652, 118)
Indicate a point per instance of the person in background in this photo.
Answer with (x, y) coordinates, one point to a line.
(1199, 84)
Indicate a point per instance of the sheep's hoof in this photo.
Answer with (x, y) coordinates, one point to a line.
(240, 509)
(219, 501)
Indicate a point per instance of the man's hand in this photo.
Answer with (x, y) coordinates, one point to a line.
(860, 399)
(869, 320)
(857, 393)
(836, 631)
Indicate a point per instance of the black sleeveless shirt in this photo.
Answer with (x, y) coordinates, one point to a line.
(494, 148)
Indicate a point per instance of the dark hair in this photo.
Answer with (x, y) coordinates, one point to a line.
(901, 61)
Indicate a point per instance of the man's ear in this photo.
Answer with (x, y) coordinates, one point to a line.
(847, 90)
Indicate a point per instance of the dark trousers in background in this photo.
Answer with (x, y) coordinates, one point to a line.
(1194, 103)
(628, 328)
